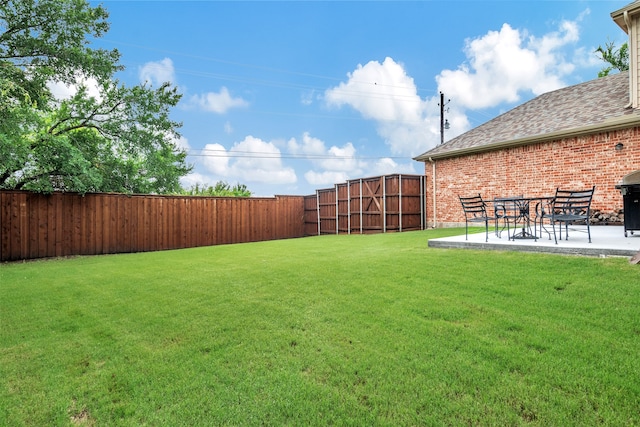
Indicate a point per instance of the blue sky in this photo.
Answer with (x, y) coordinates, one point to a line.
(290, 97)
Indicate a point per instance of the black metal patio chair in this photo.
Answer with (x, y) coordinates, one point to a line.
(543, 210)
(569, 207)
(475, 210)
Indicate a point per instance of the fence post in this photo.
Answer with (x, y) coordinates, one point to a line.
(318, 209)
(360, 205)
(337, 211)
(384, 203)
(423, 208)
(348, 207)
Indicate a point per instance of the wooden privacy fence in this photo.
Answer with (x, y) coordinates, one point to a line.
(382, 204)
(61, 224)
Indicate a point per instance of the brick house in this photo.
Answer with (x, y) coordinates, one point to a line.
(575, 137)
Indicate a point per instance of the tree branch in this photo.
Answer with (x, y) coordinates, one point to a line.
(85, 121)
(26, 179)
(5, 176)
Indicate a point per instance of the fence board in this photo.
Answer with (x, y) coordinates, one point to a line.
(310, 215)
(34, 238)
(13, 222)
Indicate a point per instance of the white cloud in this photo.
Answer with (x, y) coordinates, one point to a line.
(250, 160)
(182, 143)
(309, 145)
(385, 93)
(342, 159)
(306, 98)
(216, 159)
(62, 91)
(335, 164)
(157, 73)
(253, 160)
(583, 57)
(500, 67)
(503, 64)
(386, 166)
(217, 102)
(337, 172)
(154, 73)
(326, 177)
(194, 178)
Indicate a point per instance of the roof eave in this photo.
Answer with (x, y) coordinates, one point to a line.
(608, 125)
(619, 15)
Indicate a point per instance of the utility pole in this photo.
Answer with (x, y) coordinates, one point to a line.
(444, 124)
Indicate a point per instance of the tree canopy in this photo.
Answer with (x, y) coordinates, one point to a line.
(618, 59)
(106, 136)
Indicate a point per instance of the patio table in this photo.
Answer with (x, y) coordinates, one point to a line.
(520, 206)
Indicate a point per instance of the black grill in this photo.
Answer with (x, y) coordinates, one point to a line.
(630, 189)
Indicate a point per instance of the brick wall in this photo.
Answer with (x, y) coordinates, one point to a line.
(535, 170)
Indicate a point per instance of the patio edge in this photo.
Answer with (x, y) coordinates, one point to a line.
(594, 252)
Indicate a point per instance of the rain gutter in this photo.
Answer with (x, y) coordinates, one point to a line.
(615, 123)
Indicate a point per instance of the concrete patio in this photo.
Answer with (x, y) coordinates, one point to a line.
(606, 240)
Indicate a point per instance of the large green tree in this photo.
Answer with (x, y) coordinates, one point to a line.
(110, 138)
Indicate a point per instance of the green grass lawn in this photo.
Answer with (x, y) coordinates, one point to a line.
(342, 330)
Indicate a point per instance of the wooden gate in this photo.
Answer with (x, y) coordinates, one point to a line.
(382, 204)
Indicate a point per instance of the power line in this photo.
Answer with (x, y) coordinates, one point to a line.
(341, 89)
(222, 61)
(222, 153)
(320, 89)
(257, 67)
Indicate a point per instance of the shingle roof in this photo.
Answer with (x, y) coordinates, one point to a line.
(575, 107)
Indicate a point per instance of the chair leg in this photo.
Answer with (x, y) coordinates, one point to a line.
(560, 229)
(545, 229)
(515, 229)
(542, 228)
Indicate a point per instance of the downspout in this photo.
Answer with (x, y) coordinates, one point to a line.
(632, 61)
(433, 188)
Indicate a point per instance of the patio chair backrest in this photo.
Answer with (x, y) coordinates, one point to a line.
(474, 206)
(573, 202)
